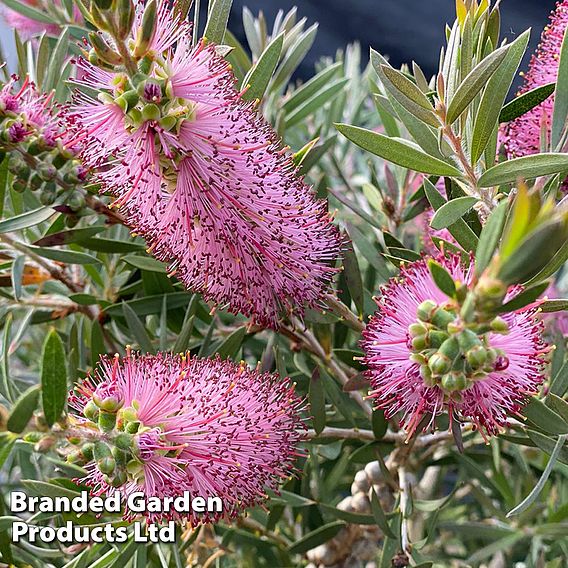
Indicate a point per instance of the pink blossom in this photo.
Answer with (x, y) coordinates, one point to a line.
(522, 136)
(209, 427)
(397, 385)
(205, 180)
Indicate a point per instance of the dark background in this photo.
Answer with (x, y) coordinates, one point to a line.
(405, 30)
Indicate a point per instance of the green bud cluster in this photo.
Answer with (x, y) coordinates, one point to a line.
(451, 354)
(40, 165)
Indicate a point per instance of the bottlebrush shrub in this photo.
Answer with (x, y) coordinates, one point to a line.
(345, 302)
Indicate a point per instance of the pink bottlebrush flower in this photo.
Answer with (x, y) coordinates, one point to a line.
(205, 180)
(522, 136)
(209, 427)
(28, 27)
(394, 365)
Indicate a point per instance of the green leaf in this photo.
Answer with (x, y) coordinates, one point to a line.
(452, 211)
(560, 113)
(97, 342)
(315, 103)
(25, 220)
(317, 401)
(151, 304)
(23, 410)
(490, 237)
(527, 167)
(553, 266)
(136, 327)
(7, 442)
(28, 11)
(527, 101)
(379, 423)
(53, 377)
(111, 246)
(4, 177)
(219, 11)
(494, 96)
(315, 538)
(406, 87)
(67, 237)
(311, 88)
(353, 277)
(231, 345)
(379, 514)
(45, 489)
(551, 306)
(545, 418)
(559, 384)
(348, 516)
(145, 263)
(388, 75)
(397, 151)
(57, 61)
(526, 297)
(66, 256)
(460, 230)
(296, 54)
(533, 495)
(442, 278)
(184, 336)
(473, 83)
(259, 76)
(547, 445)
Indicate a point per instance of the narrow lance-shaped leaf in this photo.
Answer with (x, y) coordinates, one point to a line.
(560, 112)
(219, 11)
(473, 83)
(23, 410)
(527, 167)
(527, 101)
(397, 151)
(53, 378)
(317, 401)
(494, 96)
(451, 211)
(490, 236)
(442, 278)
(259, 76)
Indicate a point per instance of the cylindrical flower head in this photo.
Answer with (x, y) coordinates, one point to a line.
(522, 136)
(404, 349)
(205, 180)
(210, 427)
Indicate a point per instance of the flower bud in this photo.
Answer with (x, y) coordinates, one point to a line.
(476, 356)
(417, 329)
(76, 201)
(19, 185)
(48, 194)
(103, 50)
(499, 325)
(123, 441)
(88, 450)
(168, 123)
(106, 465)
(441, 318)
(454, 382)
(108, 403)
(151, 112)
(419, 343)
(125, 12)
(439, 363)
(101, 450)
(128, 100)
(107, 421)
(147, 30)
(91, 411)
(437, 338)
(501, 363)
(132, 427)
(425, 310)
(450, 348)
(467, 339)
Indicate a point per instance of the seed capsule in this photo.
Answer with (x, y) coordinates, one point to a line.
(106, 465)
